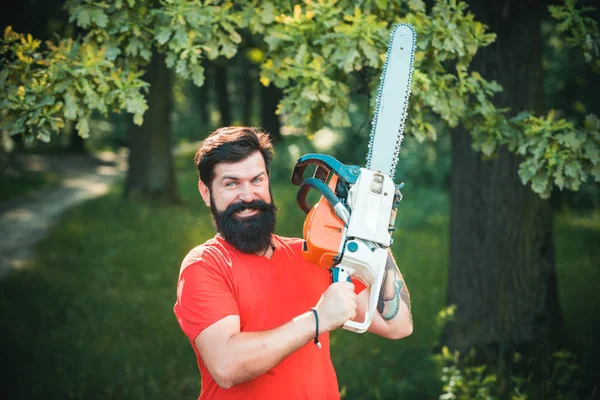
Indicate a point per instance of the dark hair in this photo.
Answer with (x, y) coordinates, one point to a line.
(229, 145)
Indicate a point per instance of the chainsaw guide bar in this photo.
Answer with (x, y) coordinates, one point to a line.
(391, 105)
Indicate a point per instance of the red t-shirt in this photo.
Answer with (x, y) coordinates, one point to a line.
(216, 280)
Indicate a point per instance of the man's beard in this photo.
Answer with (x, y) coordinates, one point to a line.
(250, 234)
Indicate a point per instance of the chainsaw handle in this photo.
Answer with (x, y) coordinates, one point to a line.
(327, 193)
(341, 273)
(325, 164)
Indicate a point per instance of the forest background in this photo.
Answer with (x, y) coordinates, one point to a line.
(497, 234)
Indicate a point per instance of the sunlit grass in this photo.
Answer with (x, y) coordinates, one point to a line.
(92, 317)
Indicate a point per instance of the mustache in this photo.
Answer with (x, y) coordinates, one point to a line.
(253, 205)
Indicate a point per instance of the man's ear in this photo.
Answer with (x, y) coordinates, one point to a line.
(204, 192)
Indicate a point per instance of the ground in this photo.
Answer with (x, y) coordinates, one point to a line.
(25, 220)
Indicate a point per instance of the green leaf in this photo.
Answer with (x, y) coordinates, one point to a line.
(71, 107)
(416, 5)
(488, 147)
(135, 104)
(324, 97)
(267, 15)
(113, 50)
(370, 53)
(180, 38)
(572, 169)
(569, 139)
(83, 128)
(197, 72)
(82, 15)
(44, 134)
(228, 50)
(98, 17)
(48, 100)
(559, 180)
(591, 151)
(539, 184)
(235, 37)
(163, 35)
(146, 54)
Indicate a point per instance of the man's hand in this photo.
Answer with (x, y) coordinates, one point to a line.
(336, 306)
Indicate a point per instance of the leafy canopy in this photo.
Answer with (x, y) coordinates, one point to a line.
(320, 52)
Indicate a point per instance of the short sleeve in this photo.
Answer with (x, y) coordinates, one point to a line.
(205, 295)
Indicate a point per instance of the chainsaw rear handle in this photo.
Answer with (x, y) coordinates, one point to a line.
(321, 187)
(339, 274)
(325, 164)
(336, 204)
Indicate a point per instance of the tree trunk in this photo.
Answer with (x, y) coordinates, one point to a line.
(151, 173)
(502, 275)
(76, 142)
(248, 78)
(222, 94)
(203, 100)
(270, 97)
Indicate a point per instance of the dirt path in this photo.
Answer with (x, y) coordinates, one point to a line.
(25, 220)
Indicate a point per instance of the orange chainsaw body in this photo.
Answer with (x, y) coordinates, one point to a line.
(323, 233)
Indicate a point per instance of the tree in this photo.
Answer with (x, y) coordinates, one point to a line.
(316, 53)
(151, 173)
(102, 72)
(501, 248)
(223, 103)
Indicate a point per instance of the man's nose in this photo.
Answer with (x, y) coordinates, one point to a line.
(246, 193)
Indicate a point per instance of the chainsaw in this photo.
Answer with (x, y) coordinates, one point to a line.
(349, 230)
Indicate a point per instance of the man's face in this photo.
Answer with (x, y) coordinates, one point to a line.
(241, 204)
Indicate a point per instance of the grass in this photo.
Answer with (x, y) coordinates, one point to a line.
(91, 316)
(15, 186)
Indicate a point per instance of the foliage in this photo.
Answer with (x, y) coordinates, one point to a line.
(321, 52)
(330, 47)
(561, 153)
(465, 381)
(68, 81)
(187, 31)
(583, 30)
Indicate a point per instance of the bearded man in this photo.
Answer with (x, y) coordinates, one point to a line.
(249, 303)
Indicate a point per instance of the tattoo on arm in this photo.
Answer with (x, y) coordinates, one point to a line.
(392, 305)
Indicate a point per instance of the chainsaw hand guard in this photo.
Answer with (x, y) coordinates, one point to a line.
(325, 164)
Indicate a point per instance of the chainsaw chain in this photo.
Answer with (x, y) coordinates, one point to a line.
(400, 136)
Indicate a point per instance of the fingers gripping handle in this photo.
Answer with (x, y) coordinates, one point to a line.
(341, 273)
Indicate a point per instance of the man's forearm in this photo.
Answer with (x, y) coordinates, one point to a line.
(397, 310)
(395, 319)
(248, 355)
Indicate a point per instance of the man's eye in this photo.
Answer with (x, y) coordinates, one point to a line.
(258, 180)
(230, 184)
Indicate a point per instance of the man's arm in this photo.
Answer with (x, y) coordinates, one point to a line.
(233, 357)
(395, 321)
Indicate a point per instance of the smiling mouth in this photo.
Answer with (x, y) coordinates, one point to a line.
(246, 213)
